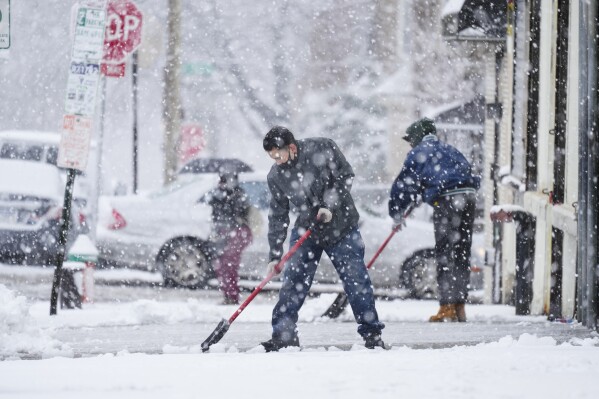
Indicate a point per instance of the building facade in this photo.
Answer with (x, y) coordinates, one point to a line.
(541, 168)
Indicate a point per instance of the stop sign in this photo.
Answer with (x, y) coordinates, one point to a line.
(123, 30)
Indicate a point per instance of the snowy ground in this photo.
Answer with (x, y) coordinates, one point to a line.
(142, 341)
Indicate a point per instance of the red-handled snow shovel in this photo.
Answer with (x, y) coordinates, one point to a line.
(222, 327)
(340, 303)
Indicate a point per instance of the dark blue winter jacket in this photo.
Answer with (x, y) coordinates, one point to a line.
(319, 177)
(431, 169)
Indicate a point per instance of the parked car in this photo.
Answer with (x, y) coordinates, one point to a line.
(31, 198)
(168, 231)
(42, 146)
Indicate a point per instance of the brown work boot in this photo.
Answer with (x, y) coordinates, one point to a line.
(446, 313)
(460, 311)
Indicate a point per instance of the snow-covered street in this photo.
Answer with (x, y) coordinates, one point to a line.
(143, 341)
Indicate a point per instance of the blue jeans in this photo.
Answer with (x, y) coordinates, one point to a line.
(347, 257)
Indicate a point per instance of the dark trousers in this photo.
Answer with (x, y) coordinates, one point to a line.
(453, 218)
(347, 257)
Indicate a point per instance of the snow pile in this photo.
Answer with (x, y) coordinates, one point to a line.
(18, 332)
(140, 312)
(531, 340)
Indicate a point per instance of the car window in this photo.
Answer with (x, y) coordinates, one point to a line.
(257, 192)
(7, 151)
(52, 155)
(29, 152)
(372, 200)
(23, 152)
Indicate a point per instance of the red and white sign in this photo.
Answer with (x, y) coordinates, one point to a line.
(123, 30)
(113, 70)
(191, 142)
(73, 150)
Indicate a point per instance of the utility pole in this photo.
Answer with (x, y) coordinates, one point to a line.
(134, 64)
(171, 96)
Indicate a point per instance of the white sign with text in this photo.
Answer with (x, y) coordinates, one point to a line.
(73, 151)
(88, 42)
(82, 85)
(4, 24)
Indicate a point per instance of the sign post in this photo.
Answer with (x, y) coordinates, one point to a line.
(80, 104)
(82, 82)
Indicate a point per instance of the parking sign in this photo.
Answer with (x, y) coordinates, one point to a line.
(73, 151)
(89, 34)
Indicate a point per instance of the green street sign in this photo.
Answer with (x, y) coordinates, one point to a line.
(197, 68)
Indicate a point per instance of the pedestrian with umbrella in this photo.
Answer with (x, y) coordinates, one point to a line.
(230, 233)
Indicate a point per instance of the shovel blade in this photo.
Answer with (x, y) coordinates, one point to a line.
(219, 332)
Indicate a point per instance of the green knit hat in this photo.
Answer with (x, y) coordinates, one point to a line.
(417, 130)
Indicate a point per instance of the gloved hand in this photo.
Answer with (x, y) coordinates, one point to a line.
(399, 223)
(324, 215)
(271, 267)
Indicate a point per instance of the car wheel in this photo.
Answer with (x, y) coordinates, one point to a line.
(419, 275)
(183, 263)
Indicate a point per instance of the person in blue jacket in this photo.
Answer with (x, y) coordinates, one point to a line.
(442, 177)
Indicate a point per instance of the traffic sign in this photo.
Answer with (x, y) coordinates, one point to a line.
(113, 70)
(123, 30)
(191, 142)
(82, 86)
(73, 151)
(89, 34)
(84, 72)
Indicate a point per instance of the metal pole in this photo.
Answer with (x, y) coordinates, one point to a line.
(134, 106)
(99, 166)
(583, 154)
(586, 311)
(64, 232)
(593, 164)
(497, 227)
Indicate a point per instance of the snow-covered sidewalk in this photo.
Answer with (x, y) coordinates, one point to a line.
(524, 368)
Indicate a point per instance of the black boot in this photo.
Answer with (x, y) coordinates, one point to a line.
(273, 344)
(375, 341)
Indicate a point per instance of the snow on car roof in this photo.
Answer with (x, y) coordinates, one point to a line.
(31, 178)
(198, 182)
(36, 136)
